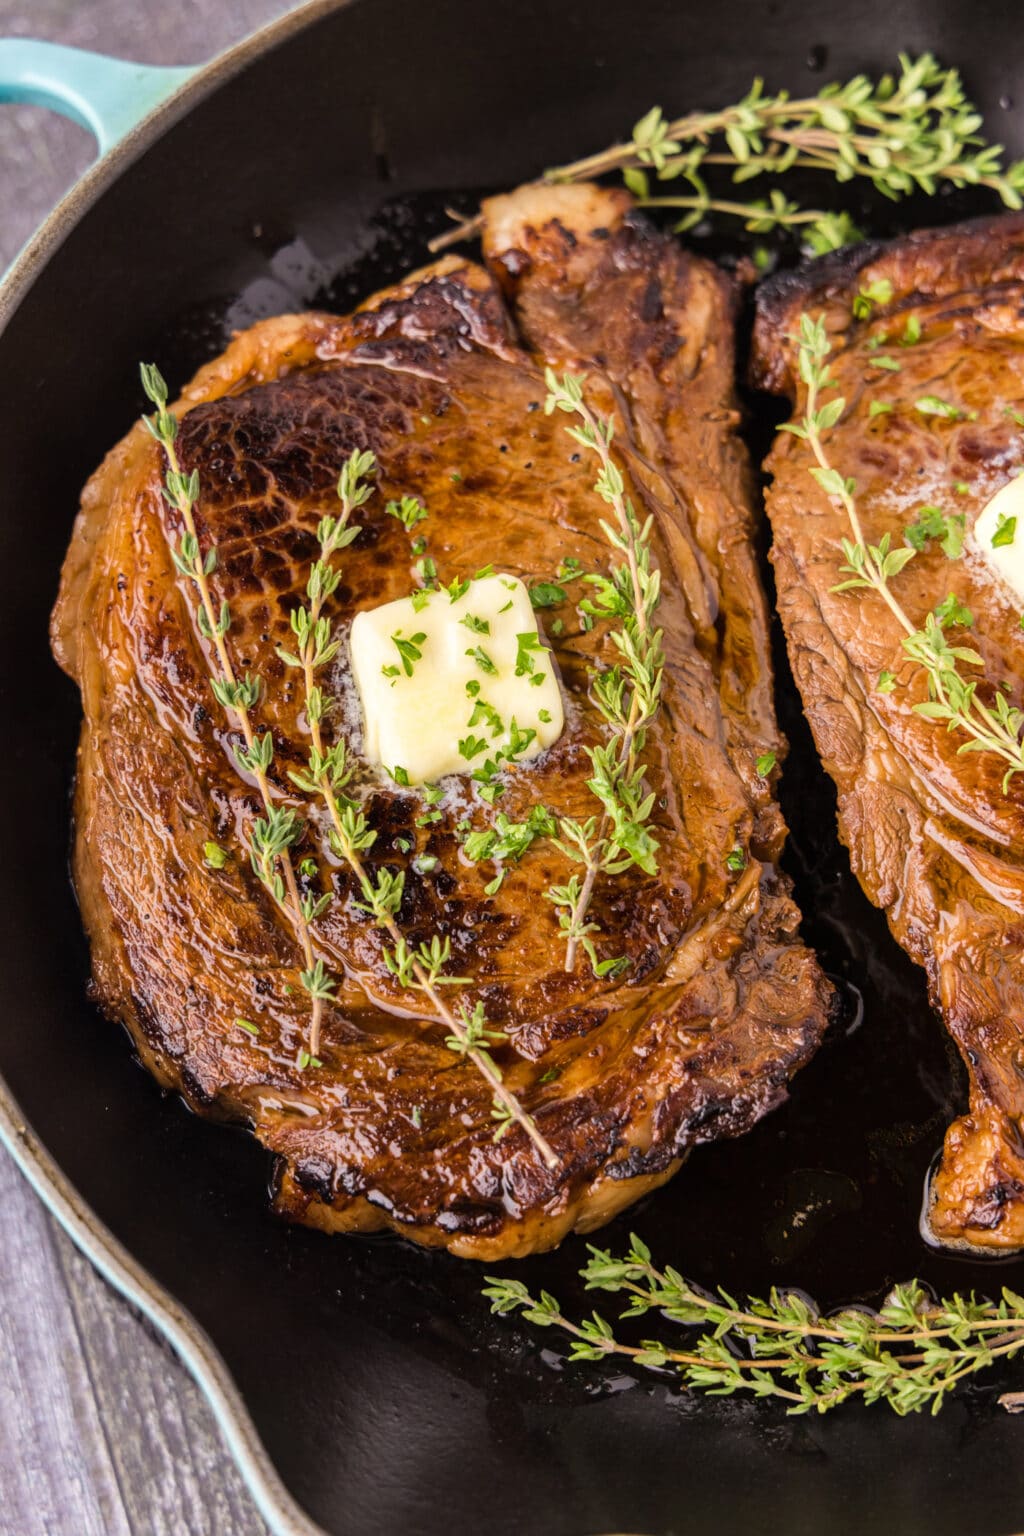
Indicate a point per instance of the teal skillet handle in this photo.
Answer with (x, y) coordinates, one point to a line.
(107, 96)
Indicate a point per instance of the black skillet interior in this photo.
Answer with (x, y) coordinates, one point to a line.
(386, 1395)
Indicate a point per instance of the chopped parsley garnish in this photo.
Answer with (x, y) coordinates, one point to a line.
(486, 714)
(486, 780)
(519, 740)
(509, 840)
(546, 594)
(478, 845)
(765, 764)
(482, 660)
(886, 682)
(933, 523)
(526, 646)
(477, 625)
(952, 611)
(409, 650)
(1005, 533)
(471, 746)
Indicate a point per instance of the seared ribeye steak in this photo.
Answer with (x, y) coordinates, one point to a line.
(442, 378)
(932, 372)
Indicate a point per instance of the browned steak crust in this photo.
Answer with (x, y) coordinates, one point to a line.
(932, 836)
(442, 377)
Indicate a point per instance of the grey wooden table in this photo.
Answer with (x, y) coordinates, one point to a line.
(102, 1431)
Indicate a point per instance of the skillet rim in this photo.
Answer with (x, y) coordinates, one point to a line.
(32, 260)
(58, 1194)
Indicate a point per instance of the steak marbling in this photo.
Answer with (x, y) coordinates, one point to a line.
(932, 836)
(442, 378)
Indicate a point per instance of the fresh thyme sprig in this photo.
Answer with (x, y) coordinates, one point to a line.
(952, 698)
(912, 132)
(627, 694)
(328, 775)
(910, 1354)
(272, 835)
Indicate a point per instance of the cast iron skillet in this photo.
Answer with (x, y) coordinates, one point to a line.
(310, 168)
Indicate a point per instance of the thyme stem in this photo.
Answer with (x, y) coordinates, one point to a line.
(328, 776)
(786, 218)
(182, 492)
(911, 1354)
(912, 132)
(953, 700)
(622, 836)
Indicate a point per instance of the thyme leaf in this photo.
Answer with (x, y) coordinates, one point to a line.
(423, 967)
(272, 835)
(911, 1353)
(910, 131)
(627, 694)
(953, 698)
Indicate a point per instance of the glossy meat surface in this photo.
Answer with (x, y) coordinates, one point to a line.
(442, 378)
(933, 838)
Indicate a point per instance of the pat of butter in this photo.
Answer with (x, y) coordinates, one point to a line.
(1006, 558)
(478, 658)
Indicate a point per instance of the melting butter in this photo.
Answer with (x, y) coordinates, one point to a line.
(1002, 519)
(424, 670)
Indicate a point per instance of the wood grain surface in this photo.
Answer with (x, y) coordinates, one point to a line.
(102, 1431)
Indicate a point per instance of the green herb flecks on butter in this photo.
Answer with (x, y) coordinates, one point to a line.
(421, 717)
(999, 535)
